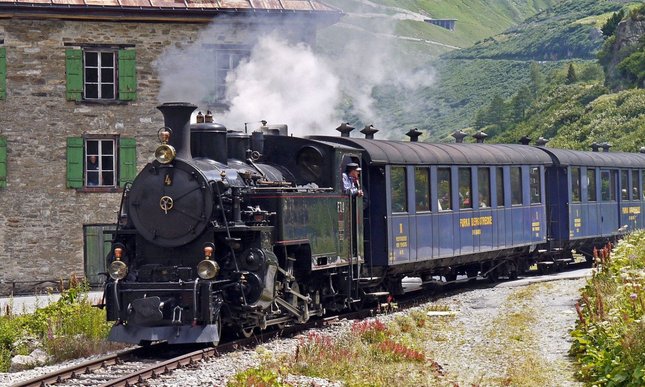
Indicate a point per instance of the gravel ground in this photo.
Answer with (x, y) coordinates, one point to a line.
(513, 334)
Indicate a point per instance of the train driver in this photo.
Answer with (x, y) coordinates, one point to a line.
(351, 182)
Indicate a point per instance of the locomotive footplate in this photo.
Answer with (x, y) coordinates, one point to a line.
(179, 312)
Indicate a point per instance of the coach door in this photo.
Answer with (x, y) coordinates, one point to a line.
(609, 196)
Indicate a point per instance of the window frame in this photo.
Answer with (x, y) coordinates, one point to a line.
(422, 185)
(225, 58)
(394, 193)
(465, 187)
(444, 189)
(576, 185)
(516, 186)
(103, 161)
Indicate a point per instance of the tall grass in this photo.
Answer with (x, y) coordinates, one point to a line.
(609, 339)
(370, 353)
(66, 329)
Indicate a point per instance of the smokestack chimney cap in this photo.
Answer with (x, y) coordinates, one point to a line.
(480, 137)
(459, 136)
(345, 128)
(541, 141)
(369, 131)
(525, 140)
(414, 134)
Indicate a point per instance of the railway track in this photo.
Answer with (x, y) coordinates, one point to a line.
(134, 366)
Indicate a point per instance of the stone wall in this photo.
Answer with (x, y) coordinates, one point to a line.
(41, 221)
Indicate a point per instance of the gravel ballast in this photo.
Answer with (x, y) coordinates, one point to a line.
(516, 332)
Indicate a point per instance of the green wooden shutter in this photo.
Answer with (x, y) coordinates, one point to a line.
(3, 162)
(127, 160)
(3, 72)
(127, 75)
(74, 70)
(75, 152)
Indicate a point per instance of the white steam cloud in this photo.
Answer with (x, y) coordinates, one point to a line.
(284, 83)
(288, 83)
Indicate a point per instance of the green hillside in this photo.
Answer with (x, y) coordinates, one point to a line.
(502, 38)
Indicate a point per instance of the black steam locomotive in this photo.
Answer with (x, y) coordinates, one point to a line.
(227, 230)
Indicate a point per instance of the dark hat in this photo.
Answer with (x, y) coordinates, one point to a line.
(352, 166)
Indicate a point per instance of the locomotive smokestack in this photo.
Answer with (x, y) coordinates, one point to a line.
(177, 117)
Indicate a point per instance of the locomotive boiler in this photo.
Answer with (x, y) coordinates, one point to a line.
(211, 237)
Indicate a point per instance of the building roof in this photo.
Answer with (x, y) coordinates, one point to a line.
(183, 10)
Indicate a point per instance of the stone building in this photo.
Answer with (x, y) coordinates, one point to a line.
(79, 88)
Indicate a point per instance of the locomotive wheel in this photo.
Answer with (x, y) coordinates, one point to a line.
(246, 332)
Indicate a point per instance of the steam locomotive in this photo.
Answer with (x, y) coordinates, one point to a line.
(230, 231)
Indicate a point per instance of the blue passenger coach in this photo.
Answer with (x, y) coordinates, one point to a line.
(451, 209)
(594, 197)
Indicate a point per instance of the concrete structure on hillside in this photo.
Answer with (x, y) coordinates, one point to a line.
(79, 84)
(449, 24)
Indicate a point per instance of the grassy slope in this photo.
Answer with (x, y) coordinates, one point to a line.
(467, 79)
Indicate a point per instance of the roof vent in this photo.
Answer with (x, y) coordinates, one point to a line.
(369, 131)
(595, 146)
(642, 150)
(605, 146)
(541, 141)
(459, 136)
(525, 140)
(414, 134)
(344, 129)
(480, 137)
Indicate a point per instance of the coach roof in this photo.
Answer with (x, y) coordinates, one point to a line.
(404, 152)
(566, 157)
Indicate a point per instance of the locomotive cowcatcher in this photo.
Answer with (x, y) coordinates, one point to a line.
(230, 231)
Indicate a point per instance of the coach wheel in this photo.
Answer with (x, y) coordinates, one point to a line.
(472, 274)
(493, 276)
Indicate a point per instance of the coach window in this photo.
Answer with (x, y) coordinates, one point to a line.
(636, 194)
(643, 183)
(535, 185)
(516, 186)
(575, 184)
(422, 189)
(591, 185)
(499, 182)
(607, 186)
(465, 188)
(624, 186)
(483, 177)
(399, 189)
(444, 189)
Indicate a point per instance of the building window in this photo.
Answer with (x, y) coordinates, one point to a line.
(225, 59)
(101, 74)
(3, 72)
(100, 162)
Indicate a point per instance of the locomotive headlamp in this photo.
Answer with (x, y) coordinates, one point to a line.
(118, 253)
(165, 153)
(208, 251)
(118, 270)
(207, 269)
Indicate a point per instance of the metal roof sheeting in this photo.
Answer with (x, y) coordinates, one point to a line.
(176, 5)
